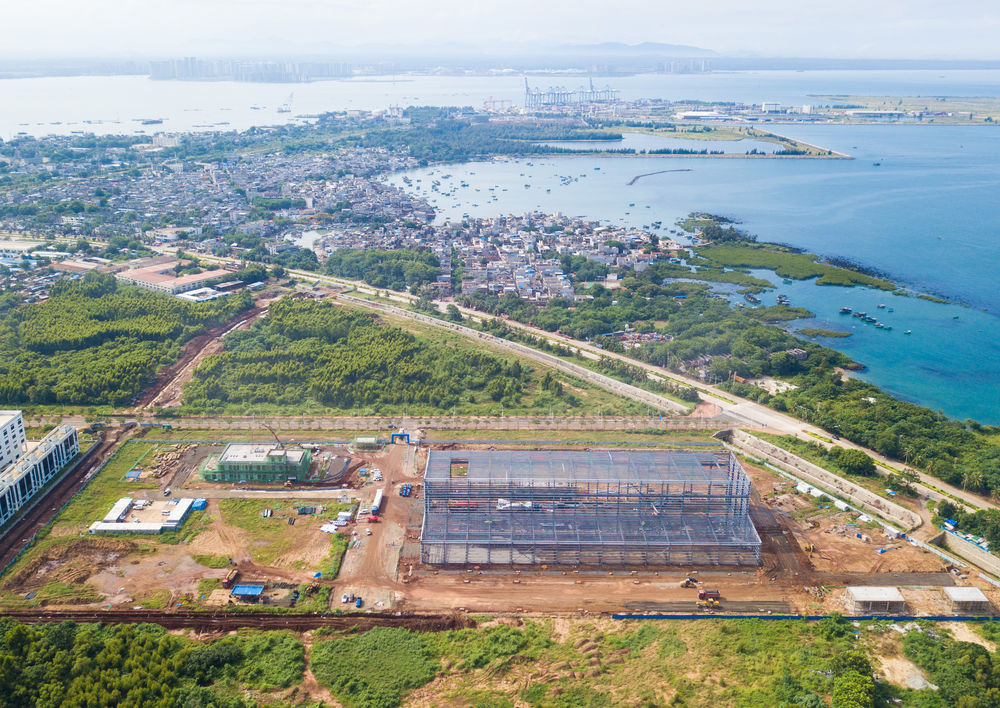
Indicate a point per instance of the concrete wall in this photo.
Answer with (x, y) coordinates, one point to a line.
(969, 551)
(819, 477)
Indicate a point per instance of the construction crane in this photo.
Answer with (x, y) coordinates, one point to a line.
(497, 105)
(281, 445)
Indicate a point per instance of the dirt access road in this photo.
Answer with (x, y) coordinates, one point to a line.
(166, 390)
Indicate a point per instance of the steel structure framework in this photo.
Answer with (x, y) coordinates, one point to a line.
(587, 508)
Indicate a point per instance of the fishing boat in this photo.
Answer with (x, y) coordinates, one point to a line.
(909, 331)
(845, 310)
(751, 299)
(880, 306)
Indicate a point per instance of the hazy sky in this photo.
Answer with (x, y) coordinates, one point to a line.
(828, 28)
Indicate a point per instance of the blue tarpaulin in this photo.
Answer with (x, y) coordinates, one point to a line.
(247, 590)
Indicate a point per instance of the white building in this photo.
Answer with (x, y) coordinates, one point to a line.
(968, 600)
(40, 463)
(865, 600)
(12, 441)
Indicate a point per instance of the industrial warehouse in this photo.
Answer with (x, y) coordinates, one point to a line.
(609, 508)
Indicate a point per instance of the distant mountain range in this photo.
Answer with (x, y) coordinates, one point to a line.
(635, 50)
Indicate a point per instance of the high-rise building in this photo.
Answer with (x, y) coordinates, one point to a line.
(13, 444)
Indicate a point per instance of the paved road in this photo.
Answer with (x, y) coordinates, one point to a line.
(388, 423)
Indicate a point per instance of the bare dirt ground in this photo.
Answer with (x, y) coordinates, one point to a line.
(902, 672)
(964, 633)
(131, 579)
(706, 409)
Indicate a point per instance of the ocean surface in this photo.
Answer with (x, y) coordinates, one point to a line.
(118, 104)
(927, 216)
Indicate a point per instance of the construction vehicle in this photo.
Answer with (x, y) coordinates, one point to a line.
(688, 583)
(230, 578)
(707, 604)
(709, 595)
(810, 548)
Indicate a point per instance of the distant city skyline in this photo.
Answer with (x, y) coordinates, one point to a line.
(905, 29)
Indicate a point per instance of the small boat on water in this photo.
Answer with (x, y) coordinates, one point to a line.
(845, 310)
(751, 299)
(888, 328)
(880, 306)
(909, 331)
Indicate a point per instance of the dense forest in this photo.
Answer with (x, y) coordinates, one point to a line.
(139, 665)
(434, 135)
(95, 341)
(308, 352)
(397, 269)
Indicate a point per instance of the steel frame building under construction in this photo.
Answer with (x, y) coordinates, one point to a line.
(608, 508)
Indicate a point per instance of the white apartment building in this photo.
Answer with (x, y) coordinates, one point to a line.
(38, 464)
(12, 441)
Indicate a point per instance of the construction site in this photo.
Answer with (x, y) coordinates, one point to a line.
(480, 526)
(620, 508)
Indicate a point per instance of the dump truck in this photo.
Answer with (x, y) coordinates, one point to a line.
(709, 595)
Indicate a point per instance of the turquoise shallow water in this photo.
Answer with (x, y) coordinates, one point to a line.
(928, 216)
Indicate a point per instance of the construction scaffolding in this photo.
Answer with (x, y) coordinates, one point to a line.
(609, 508)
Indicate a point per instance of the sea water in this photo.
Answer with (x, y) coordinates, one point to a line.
(927, 216)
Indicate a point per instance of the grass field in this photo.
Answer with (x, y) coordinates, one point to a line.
(273, 537)
(814, 332)
(789, 264)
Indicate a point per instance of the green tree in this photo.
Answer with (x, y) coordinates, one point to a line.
(855, 461)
